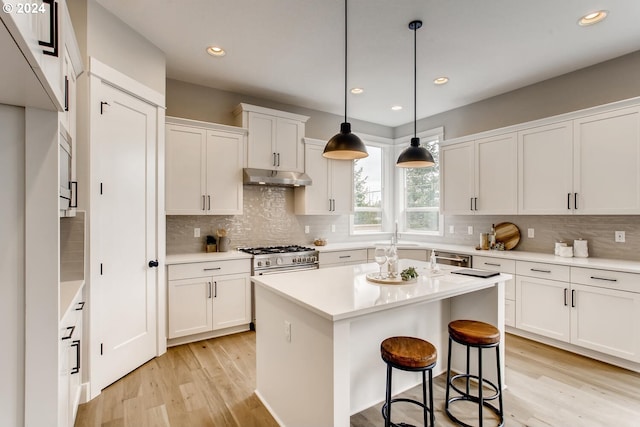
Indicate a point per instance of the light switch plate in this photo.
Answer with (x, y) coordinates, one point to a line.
(452, 229)
(531, 233)
(196, 232)
(306, 229)
(619, 237)
(470, 229)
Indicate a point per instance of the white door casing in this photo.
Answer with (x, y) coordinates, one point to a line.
(123, 163)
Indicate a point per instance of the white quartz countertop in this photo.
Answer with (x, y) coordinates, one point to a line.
(597, 263)
(344, 292)
(204, 257)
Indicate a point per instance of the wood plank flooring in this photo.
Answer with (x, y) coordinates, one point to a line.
(211, 383)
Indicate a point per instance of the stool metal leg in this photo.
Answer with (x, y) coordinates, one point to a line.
(446, 400)
(468, 370)
(499, 384)
(431, 409)
(387, 421)
(424, 396)
(480, 399)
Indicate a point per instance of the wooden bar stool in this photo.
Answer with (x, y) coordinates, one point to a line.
(409, 354)
(480, 335)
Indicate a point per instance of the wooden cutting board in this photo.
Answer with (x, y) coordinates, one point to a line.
(509, 234)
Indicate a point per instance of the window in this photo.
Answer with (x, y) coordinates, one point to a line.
(368, 192)
(421, 195)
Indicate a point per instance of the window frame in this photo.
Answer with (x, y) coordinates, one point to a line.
(400, 199)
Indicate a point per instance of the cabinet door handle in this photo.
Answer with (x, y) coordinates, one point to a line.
(212, 269)
(209, 289)
(278, 159)
(470, 203)
(344, 256)
(76, 368)
(475, 203)
(575, 201)
(540, 271)
(215, 289)
(73, 186)
(274, 159)
(603, 278)
(569, 201)
(203, 203)
(70, 329)
(66, 93)
(53, 29)
(209, 202)
(80, 306)
(565, 296)
(492, 264)
(573, 297)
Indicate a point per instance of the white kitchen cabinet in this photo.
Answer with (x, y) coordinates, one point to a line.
(70, 366)
(605, 313)
(331, 191)
(28, 30)
(275, 138)
(208, 296)
(607, 163)
(338, 258)
(480, 177)
(545, 170)
(203, 168)
(502, 266)
(542, 307)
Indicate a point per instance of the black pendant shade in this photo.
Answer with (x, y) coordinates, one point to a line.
(415, 156)
(345, 145)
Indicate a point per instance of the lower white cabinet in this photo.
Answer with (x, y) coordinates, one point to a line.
(69, 363)
(543, 307)
(502, 266)
(209, 296)
(337, 258)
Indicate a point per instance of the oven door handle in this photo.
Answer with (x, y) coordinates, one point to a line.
(285, 270)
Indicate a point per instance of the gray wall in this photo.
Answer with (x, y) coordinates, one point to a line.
(196, 102)
(602, 83)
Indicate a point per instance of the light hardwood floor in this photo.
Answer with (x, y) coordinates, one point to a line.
(211, 383)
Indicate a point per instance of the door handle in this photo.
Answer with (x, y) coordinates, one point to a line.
(575, 200)
(215, 289)
(153, 263)
(76, 369)
(470, 203)
(209, 289)
(569, 201)
(209, 203)
(203, 203)
(278, 159)
(274, 159)
(565, 296)
(73, 186)
(53, 29)
(573, 297)
(475, 203)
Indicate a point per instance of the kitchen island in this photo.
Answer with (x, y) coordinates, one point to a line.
(318, 335)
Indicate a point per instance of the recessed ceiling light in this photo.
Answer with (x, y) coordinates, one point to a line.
(441, 80)
(396, 107)
(357, 90)
(216, 51)
(592, 18)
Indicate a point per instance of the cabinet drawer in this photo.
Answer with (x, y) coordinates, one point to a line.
(543, 271)
(209, 268)
(494, 264)
(340, 257)
(417, 254)
(606, 279)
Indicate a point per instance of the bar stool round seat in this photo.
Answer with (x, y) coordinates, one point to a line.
(479, 335)
(409, 354)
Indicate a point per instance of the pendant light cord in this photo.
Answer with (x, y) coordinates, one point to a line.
(345, 61)
(415, 81)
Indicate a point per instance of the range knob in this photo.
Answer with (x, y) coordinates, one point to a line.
(259, 263)
(267, 263)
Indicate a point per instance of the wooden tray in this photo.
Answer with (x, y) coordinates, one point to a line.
(509, 234)
(373, 277)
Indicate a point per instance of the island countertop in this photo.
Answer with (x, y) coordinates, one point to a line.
(344, 292)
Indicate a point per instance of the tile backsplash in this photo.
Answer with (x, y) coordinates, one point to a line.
(269, 219)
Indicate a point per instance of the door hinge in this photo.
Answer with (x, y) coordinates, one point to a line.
(101, 353)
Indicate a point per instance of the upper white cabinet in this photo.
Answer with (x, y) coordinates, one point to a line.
(331, 191)
(607, 163)
(480, 177)
(203, 168)
(545, 170)
(37, 28)
(275, 139)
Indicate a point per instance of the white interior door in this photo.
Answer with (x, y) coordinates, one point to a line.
(124, 162)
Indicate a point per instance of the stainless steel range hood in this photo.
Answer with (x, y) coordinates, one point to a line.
(271, 177)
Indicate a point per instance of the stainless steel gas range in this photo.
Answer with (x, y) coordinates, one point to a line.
(281, 259)
(278, 259)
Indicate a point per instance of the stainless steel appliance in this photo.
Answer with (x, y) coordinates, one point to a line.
(278, 259)
(450, 258)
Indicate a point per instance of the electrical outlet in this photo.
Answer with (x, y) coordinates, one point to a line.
(470, 229)
(333, 228)
(306, 229)
(196, 232)
(287, 331)
(619, 237)
(531, 233)
(452, 229)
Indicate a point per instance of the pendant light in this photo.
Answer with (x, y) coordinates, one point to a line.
(345, 145)
(415, 156)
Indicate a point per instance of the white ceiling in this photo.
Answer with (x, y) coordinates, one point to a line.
(292, 51)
